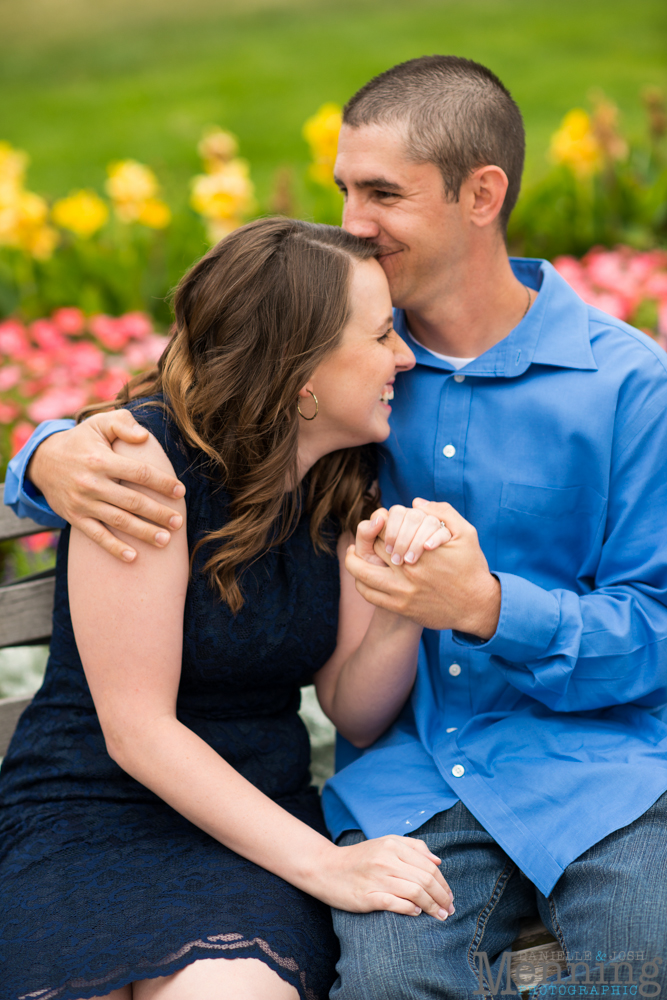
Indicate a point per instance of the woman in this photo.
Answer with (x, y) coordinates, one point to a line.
(158, 814)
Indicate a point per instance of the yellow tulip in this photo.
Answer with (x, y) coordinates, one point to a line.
(42, 242)
(226, 194)
(321, 133)
(13, 165)
(82, 212)
(155, 214)
(217, 229)
(217, 148)
(575, 144)
(134, 188)
(130, 181)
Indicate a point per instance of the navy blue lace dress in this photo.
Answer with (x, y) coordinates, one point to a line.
(101, 882)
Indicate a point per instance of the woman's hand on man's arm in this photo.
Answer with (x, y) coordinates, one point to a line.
(78, 472)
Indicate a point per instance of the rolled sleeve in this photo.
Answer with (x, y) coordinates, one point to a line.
(20, 494)
(529, 619)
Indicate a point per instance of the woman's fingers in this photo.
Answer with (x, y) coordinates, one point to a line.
(395, 904)
(409, 531)
(367, 532)
(397, 868)
(395, 517)
(420, 896)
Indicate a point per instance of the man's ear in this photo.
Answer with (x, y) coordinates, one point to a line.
(485, 190)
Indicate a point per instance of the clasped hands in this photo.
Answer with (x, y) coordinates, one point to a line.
(406, 562)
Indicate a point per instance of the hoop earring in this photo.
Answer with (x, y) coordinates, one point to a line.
(317, 406)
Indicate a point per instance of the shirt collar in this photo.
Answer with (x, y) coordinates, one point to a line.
(554, 332)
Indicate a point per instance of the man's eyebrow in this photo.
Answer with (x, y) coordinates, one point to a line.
(373, 182)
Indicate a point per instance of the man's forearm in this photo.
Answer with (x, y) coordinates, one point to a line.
(21, 493)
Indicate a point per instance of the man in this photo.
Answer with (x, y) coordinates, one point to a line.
(531, 757)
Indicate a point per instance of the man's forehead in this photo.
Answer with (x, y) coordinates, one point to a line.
(373, 156)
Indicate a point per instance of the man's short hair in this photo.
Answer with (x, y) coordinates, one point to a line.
(459, 116)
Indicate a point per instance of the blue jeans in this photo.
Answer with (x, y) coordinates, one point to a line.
(608, 911)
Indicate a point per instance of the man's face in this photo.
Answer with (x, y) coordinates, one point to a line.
(400, 205)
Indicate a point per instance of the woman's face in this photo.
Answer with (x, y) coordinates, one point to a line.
(355, 382)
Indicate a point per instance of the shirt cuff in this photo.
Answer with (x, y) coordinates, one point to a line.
(20, 494)
(529, 618)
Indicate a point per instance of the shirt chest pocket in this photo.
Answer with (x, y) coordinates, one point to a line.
(550, 535)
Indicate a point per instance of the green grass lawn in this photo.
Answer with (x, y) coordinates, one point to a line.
(82, 84)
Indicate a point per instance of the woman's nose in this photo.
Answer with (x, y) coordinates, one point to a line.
(404, 359)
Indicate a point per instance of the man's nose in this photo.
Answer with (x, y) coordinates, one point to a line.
(359, 221)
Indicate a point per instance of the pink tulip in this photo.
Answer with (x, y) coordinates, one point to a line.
(37, 543)
(136, 325)
(155, 346)
(9, 377)
(57, 402)
(609, 272)
(37, 362)
(69, 320)
(33, 388)
(8, 412)
(662, 320)
(134, 356)
(110, 384)
(47, 336)
(13, 340)
(110, 332)
(656, 286)
(20, 434)
(575, 275)
(146, 354)
(615, 305)
(84, 360)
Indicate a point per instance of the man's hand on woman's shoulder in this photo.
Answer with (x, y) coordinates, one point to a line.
(80, 475)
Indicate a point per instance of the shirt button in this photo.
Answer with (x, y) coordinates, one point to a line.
(452, 729)
(458, 770)
(459, 378)
(449, 451)
(455, 670)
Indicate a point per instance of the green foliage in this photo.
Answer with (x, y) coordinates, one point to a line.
(624, 202)
(119, 271)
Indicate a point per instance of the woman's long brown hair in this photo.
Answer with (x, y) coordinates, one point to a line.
(253, 319)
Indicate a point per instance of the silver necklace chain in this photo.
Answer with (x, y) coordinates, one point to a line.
(528, 304)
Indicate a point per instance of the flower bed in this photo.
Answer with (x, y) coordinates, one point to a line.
(625, 283)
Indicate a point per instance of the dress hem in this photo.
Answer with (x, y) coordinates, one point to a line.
(174, 962)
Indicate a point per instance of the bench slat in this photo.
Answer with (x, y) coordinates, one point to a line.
(10, 710)
(25, 611)
(12, 526)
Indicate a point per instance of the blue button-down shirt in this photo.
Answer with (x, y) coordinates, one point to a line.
(553, 444)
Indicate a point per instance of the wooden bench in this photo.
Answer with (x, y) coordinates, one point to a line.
(25, 619)
(25, 613)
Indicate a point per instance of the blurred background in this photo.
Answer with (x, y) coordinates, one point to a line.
(134, 133)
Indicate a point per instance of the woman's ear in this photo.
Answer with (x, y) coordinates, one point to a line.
(486, 187)
(306, 392)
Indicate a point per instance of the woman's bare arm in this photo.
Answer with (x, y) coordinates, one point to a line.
(128, 626)
(364, 685)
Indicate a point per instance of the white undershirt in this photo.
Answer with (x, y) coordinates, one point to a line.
(454, 362)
